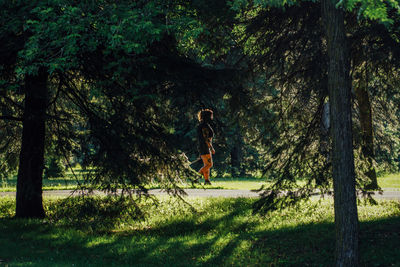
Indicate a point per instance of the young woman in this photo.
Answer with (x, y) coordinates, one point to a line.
(205, 135)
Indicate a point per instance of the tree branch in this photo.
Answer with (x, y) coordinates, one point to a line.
(10, 118)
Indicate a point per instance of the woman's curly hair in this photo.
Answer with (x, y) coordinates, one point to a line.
(205, 115)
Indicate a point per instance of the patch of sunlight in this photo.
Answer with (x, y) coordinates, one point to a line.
(101, 240)
(391, 181)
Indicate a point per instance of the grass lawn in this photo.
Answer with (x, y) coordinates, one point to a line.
(222, 232)
(48, 184)
(237, 183)
(391, 181)
(69, 181)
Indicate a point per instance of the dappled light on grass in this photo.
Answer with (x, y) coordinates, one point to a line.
(220, 232)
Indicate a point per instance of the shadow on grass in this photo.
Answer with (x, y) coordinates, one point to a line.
(226, 239)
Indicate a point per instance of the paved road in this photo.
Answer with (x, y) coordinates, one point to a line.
(387, 194)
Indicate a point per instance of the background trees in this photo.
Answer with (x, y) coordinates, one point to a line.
(118, 86)
(107, 81)
(335, 78)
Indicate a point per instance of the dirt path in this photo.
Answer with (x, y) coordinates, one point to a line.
(387, 194)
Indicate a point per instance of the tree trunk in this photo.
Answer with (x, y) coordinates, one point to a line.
(367, 138)
(339, 86)
(236, 157)
(31, 160)
(235, 161)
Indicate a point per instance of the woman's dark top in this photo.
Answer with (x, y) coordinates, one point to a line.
(202, 145)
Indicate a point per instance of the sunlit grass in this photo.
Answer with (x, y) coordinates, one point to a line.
(221, 232)
(390, 181)
(48, 184)
(237, 183)
(69, 182)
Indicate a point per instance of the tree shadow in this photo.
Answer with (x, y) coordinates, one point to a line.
(214, 241)
(380, 242)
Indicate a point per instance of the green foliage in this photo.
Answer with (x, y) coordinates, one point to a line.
(54, 168)
(59, 32)
(288, 60)
(7, 207)
(127, 79)
(238, 5)
(113, 72)
(93, 213)
(374, 10)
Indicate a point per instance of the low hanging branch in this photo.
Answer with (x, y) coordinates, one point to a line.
(10, 118)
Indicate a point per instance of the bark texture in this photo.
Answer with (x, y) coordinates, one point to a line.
(31, 160)
(367, 137)
(236, 157)
(339, 86)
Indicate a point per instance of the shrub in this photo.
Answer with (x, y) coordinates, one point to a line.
(54, 168)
